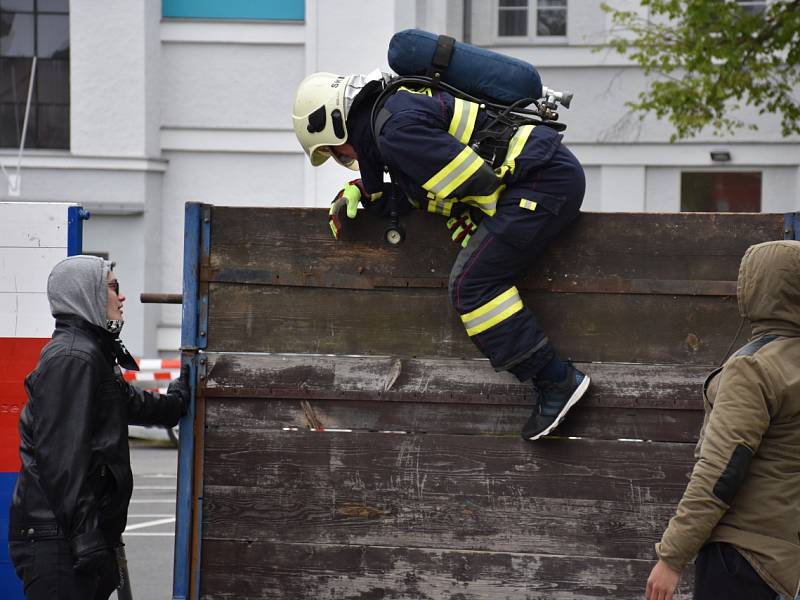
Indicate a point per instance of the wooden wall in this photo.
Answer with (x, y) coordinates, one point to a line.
(355, 445)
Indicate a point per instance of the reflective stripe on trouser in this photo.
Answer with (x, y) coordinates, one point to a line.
(496, 319)
(493, 313)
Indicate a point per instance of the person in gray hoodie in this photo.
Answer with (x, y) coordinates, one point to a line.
(740, 514)
(70, 503)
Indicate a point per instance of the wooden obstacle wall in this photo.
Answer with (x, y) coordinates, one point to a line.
(353, 444)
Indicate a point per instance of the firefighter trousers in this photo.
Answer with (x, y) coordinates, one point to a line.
(482, 290)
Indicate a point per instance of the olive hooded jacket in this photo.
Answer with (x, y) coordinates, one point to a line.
(745, 488)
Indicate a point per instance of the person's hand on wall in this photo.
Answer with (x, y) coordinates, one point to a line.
(349, 196)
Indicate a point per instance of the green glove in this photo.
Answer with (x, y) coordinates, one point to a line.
(352, 192)
(461, 229)
(349, 196)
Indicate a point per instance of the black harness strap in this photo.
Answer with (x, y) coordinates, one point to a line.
(441, 57)
(754, 346)
(377, 126)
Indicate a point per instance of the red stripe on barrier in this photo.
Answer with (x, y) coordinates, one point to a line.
(18, 357)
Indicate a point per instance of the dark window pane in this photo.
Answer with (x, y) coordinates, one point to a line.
(513, 23)
(514, 3)
(48, 121)
(16, 34)
(753, 7)
(14, 77)
(59, 6)
(21, 5)
(552, 4)
(52, 81)
(11, 121)
(53, 36)
(551, 21)
(721, 192)
(53, 126)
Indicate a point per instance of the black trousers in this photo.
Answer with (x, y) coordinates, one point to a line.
(721, 573)
(45, 567)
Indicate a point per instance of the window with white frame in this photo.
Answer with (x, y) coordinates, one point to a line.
(531, 18)
(31, 28)
(753, 7)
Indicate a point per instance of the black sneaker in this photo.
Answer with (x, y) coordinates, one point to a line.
(555, 400)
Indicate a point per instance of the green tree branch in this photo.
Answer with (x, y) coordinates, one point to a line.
(711, 57)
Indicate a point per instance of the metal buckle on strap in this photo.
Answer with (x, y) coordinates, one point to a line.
(35, 532)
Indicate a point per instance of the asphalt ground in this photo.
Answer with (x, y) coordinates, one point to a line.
(150, 535)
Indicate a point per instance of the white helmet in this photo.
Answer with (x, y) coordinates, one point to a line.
(320, 113)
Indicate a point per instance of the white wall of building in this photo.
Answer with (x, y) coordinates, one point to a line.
(167, 111)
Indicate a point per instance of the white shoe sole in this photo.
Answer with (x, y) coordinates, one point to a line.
(573, 400)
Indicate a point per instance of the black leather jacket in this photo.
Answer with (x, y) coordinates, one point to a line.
(76, 475)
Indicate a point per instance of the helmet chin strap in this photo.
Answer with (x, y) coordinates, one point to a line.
(115, 325)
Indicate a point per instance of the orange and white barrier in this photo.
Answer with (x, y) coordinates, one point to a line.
(154, 373)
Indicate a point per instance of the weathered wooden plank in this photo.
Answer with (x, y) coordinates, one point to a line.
(347, 516)
(236, 569)
(467, 419)
(651, 402)
(420, 322)
(466, 466)
(390, 379)
(624, 252)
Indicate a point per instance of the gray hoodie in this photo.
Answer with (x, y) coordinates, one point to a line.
(78, 286)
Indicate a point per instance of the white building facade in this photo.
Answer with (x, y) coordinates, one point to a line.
(171, 101)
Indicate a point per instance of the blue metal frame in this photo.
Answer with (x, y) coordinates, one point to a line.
(791, 226)
(75, 218)
(185, 496)
(196, 248)
(183, 510)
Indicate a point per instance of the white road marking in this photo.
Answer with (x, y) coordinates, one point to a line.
(149, 524)
(144, 534)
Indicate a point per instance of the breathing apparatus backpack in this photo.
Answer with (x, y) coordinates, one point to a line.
(508, 89)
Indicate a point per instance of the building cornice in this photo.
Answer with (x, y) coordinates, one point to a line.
(37, 159)
(176, 31)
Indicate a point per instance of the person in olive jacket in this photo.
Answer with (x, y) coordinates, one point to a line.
(741, 509)
(70, 503)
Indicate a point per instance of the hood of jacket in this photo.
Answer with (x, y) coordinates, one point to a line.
(78, 286)
(768, 288)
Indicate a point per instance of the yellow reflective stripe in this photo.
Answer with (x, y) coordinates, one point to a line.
(462, 124)
(426, 91)
(493, 312)
(488, 203)
(454, 173)
(375, 197)
(441, 207)
(529, 204)
(515, 146)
